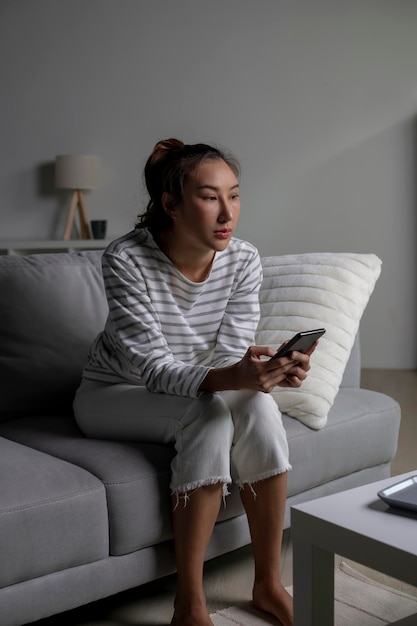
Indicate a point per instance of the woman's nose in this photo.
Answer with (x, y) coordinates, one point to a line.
(226, 213)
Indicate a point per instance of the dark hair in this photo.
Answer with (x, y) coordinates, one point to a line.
(166, 170)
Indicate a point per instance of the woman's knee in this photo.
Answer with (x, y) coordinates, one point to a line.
(211, 418)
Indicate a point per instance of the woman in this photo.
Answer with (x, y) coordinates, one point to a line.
(176, 364)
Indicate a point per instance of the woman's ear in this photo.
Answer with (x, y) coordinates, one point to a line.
(168, 204)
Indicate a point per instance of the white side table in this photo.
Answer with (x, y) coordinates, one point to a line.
(355, 524)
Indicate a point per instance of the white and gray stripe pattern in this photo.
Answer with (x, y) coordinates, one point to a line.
(163, 330)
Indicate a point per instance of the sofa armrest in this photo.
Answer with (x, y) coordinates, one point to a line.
(352, 373)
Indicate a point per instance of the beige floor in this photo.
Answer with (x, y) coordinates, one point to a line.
(228, 579)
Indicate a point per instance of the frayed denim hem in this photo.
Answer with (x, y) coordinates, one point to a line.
(256, 479)
(183, 492)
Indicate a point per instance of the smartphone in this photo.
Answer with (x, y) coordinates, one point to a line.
(301, 342)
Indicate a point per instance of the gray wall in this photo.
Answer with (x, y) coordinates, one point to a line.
(317, 98)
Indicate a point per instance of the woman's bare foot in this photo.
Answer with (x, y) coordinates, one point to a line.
(274, 599)
(191, 612)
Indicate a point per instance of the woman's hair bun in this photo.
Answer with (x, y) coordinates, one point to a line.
(164, 148)
(160, 158)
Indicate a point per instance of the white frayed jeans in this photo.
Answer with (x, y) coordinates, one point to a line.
(219, 437)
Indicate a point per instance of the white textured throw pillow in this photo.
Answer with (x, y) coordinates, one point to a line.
(306, 291)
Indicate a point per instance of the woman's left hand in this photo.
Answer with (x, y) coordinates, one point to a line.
(298, 372)
(300, 368)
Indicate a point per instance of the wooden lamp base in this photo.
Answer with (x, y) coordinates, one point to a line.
(77, 200)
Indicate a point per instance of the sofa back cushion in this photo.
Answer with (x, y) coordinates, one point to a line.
(51, 308)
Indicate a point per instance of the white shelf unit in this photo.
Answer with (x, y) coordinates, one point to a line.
(44, 246)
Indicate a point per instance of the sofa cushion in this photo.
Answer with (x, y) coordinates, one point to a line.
(51, 308)
(136, 477)
(53, 515)
(305, 291)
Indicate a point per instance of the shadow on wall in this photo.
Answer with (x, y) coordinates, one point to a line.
(45, 188)
(46, 179)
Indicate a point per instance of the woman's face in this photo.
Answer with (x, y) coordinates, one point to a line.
(207, 216)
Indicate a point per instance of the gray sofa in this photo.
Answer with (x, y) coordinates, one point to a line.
(82, 519)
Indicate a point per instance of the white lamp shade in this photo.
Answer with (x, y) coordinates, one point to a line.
(77, 171)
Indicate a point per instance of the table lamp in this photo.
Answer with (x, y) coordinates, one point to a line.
(77, 172)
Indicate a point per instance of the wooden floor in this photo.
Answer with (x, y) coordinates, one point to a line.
(228, 579)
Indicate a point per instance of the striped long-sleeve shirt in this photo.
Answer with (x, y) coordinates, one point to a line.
(164, 331)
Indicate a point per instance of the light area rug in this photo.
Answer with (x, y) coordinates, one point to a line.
(359, 601)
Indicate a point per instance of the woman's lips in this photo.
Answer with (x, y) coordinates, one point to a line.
(223, 234)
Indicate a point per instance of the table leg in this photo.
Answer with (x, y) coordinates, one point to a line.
(313, 585)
